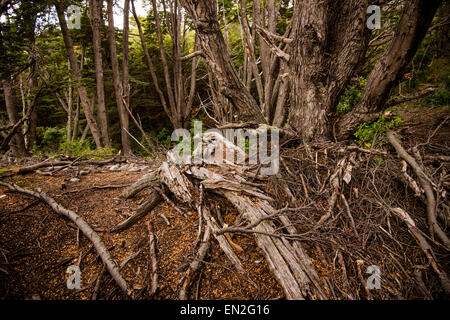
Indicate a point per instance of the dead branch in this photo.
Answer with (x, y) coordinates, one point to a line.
(191, 55)
(423, 244)
(223, 243)
(418, 95)
(426, 185)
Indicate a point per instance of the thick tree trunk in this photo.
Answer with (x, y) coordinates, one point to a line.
(411, 30)
(96, 11)
(204, 15)
(329, 42)
(118, 90)
(77, 74)
(17, 142)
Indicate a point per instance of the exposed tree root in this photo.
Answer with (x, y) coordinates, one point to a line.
(152, 201)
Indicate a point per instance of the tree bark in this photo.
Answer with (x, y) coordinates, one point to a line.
(329, 40)
(96, 11)
(389, 69)
(125, 50)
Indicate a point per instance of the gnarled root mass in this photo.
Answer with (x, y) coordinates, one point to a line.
(332, 213)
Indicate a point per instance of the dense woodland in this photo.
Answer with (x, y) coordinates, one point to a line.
(87, 112)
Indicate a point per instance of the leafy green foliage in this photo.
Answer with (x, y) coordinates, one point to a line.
(368, 132)
(53, 136)
(351, 97)
(164, 137)
(76, 148)
(441, 97)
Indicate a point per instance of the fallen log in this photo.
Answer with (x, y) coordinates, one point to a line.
(102, 251)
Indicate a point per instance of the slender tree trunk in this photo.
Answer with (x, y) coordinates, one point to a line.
(250, 48)
(34, 114)
(125, 61)
(17, 142)
(414, 23)
(82, 92)
(76, 120)
(96, 11)
(118, 90)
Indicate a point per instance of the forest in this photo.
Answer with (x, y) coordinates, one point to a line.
(224, 149)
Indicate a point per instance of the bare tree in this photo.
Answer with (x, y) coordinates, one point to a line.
(118, 89)
(95, 15)
(82, 92)
(215, 51)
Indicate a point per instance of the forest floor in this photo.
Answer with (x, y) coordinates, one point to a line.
(37, 245)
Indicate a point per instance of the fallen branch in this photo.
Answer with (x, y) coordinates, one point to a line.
(423, 244)
(147, 180)
(109, 186)
(427, 187)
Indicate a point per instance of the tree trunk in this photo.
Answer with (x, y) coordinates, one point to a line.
(328, 43)
(389, 69)
(118, 90)
(96, 11)
(204, 15)
(125, 60)
(17, 142)
(77, 74)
